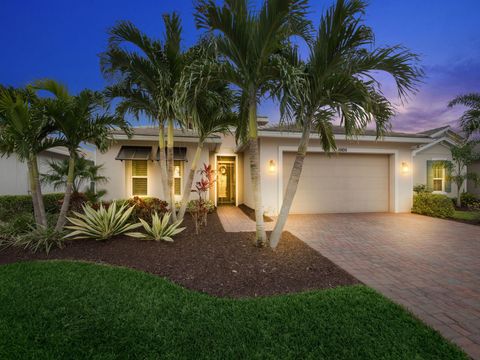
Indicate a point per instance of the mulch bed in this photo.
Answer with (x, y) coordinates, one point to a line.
(251, 213)
(214, 262)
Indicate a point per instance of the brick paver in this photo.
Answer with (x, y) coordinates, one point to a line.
(431, 266)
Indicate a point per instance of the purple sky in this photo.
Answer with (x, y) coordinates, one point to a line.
(62, 40)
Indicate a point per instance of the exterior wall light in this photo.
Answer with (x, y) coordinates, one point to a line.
(405, 167)
(272, 167)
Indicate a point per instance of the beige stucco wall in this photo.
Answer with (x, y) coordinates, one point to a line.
(119, 185)
(436, 152)
(14, 174)
(400, 183)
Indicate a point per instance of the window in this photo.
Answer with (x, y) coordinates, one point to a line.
(139, 177)
(178, 176)
(438, 177)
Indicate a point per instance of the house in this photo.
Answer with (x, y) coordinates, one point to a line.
(365, 175)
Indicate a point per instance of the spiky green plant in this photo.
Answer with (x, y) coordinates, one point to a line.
(160, 229)
(101, 224)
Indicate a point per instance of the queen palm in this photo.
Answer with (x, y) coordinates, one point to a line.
(248, 42)
(146, 82)
(340, 83)
(78, 119)
(86, 172)
(24, 131)
(470, 120)
(207, 111)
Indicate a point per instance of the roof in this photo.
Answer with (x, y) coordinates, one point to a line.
(435, 130)
(340, 130)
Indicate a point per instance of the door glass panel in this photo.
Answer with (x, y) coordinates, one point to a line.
(226, 180)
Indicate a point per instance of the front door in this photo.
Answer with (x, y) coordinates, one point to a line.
(226, 180)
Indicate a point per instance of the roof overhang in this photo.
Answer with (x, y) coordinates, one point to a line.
(298, 135)
(442, 141)
(184, 139)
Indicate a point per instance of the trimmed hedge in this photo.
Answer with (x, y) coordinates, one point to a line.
(436, 205)
(15, 204)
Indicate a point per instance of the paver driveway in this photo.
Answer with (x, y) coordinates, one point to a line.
(429, 265)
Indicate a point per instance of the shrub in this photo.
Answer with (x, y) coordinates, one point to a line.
(144, 208)
(469, 201)
(14, 204)
(433, 205)
(160, 229)
(101, 224)
(18, 224)
(39, 239)
(421, 188)
(209, 205)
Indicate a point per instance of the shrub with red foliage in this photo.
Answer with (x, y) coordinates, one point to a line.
(145, 207)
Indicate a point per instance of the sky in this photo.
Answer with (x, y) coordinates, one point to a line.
(62, 40)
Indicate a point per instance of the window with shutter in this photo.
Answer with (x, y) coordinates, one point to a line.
(139, 177)
(178, 177)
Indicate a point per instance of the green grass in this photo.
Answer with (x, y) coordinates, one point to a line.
(72, 310)
(473, 216)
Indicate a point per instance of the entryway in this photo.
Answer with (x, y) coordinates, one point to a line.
(226, 180)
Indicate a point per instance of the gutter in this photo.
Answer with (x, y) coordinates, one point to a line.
(189, 139)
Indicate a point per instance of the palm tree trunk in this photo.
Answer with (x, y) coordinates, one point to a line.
(188, 184)
(41, 205)
(170, 168)
(261, 235)
(292, 185)
(163, 163)
(33, 193)
(62, 218)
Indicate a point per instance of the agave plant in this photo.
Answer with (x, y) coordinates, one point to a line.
(101, 224)
(160, 229)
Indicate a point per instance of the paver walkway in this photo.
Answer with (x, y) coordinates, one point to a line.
(431, 266)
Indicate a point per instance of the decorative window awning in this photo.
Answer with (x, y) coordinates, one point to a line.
(179, 154)
(134, 153)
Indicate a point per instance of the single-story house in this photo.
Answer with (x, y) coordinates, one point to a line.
(365, 175)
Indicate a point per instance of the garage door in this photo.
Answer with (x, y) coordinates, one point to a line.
(343, 183)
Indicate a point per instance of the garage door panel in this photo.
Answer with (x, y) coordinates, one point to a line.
(341, 183)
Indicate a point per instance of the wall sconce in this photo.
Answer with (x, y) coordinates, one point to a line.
(405, 167)
(272, 167)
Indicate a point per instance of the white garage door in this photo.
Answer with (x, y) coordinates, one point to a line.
(344, 183)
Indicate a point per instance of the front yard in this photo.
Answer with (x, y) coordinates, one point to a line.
(60, 309)
(472, 217)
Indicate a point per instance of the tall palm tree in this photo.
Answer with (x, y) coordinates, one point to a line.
(78, 119)
(470, 120)
(85, 172)
(207, 112)
(340, 83)
(146, 82)
(25, 131)
(248, 42)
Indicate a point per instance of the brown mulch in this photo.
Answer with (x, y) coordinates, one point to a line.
(214, 262)
(251, 213)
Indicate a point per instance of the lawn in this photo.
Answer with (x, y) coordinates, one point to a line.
(469, 216)
(67, 310)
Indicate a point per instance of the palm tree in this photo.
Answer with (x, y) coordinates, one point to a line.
(24, 131)
(85, 173)
(146, 82)
(248, 42)
(470, 120)
(207, 112)
(78, 119)
(340, 82)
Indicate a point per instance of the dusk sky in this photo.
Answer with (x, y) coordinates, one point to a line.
(62, 40)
